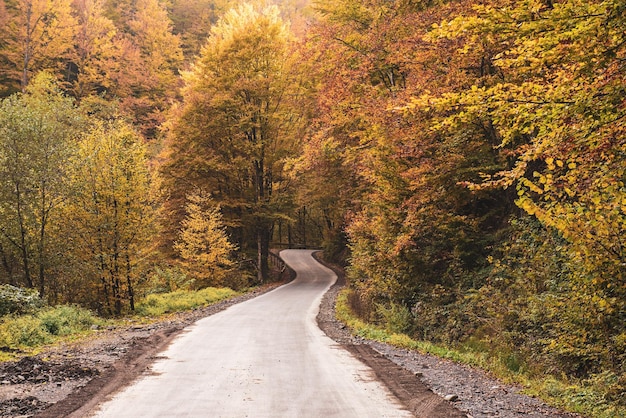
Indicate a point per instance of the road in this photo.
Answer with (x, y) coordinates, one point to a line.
(262, 358)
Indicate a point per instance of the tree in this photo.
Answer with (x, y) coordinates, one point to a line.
(551, 92)
(111, 216)
(39, 37)
(93, 58)
(237, 125)
(146, 76)
(203, 243)
(192, 21)
(37, 133)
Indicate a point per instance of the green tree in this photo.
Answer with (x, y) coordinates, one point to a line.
(37, 133)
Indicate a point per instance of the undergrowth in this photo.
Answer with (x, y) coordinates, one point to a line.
(24, 332)
(162, 303)
(585, 397)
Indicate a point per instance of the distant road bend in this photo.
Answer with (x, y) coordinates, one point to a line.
(262, 358)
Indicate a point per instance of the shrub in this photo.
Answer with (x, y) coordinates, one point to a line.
(44, 326)
(395, 317)
(22, 331)
(66, 320)
(18, 300)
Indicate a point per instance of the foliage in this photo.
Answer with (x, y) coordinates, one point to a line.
(111, 215)
(168, 279)
(32, 330)
(38, 35)
(203, 244)
(66, 320)
(18, 300)
(38, 130)
(180, 300)
(23, 331)
(480, 112)
(597, 396)
(238, 125)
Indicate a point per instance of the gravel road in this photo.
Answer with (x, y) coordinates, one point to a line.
(67, 380)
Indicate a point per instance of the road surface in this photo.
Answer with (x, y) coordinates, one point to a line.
(262, 358)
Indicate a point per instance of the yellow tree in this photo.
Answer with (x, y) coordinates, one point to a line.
(110, 218)
(552, 93)
(237, 125)
(37, 133)
(203, 243)
(39, 37)
(95, 55)
(146, 77)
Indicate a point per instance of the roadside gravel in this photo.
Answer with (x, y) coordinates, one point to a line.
(472, 391)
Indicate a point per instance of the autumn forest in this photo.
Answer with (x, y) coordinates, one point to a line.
(465, 161)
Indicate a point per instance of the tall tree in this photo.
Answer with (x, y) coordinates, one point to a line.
(237, 124)
(37, 130)
(93, 58)
(111, 215)
(147, 77)
(39, 37)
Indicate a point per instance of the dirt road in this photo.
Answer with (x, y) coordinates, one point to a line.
(265, 357)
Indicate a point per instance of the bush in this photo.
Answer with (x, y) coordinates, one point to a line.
(18, 300)
(169, 279)
(66, 320)
(23, 331)
(44, 326)
(395, 317)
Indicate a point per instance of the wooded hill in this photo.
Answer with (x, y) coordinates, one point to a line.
(465, 159)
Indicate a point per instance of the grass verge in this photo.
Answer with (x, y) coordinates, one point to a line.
(583, 397)
(25, 333)
(181, 300)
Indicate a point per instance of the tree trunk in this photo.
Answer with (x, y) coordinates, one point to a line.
(8, 267)
(129, 284)
(23, 244)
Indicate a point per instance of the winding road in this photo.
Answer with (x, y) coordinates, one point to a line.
(262, 358)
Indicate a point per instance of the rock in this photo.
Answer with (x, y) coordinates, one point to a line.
(451, 398)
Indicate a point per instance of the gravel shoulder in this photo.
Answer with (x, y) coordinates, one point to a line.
(71, 379)
(473, 392)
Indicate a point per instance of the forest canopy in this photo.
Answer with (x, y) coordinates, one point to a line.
(464, 160)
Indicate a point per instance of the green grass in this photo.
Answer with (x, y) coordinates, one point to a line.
(48, 325)
(29, 333)
(181, 300)
(584, 397)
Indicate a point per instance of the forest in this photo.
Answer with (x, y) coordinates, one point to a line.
(465, 161)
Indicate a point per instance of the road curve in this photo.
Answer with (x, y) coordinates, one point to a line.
(265, 357)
